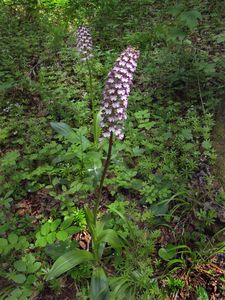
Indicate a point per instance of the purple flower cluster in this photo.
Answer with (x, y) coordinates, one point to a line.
(116, 92)
(84, 42)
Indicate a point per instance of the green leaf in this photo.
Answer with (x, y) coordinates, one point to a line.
(111, 237)
(59, 248)
(207, 145)
(62, 128)
(72, 230)
(99, 285)
(186, 134)
(147, 125)
(66, 223)
(160, 208)
(89, 218)
(55, 224)
(22, 243)
(51, 237)
(122, 288)
(177, 261)
(68, 261)
(20, 266)
(15, 295)
(167, 253)
(62, 235)
(27, 292)
(34, 267)
(13, 238)
(45, 228)
(190, 18)
(188, 146)
(41, 242)
(176, 9)
(3, 243)
(18, 278)
(31, 279)
(201, 293)
(10, 158)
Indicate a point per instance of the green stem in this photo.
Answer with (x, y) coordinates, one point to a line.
(200, 96)
(106, 165)
(91, 88)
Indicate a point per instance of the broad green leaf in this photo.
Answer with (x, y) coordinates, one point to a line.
(201, 293)
(68, 261)
(13, 238)
(30, 258)
(59, 248)
(22, 243)
(18, 278)
(41, 242)
(99, 285)
(62, 235)
(20, 266)
(31, 279)
(62, 128)
(51, 237)
(160, 208)
(27, 292)
(55, 224)
(3, 244)
(167, 253)
(122, 288)
(66, 223)
(45, 228)
(34, 267)
(111, 237)
(72, 230)
(15, 295)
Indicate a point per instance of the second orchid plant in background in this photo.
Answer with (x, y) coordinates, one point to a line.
(84, 42)
(84, 47)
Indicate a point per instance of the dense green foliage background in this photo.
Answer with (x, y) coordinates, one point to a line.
(160, 176)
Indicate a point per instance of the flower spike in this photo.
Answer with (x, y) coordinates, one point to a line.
(84, 42)
(116, 92)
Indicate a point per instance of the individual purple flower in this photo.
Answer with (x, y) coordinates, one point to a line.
(116, 92)
(84, 42)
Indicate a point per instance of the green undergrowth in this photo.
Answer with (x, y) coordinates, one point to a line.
(50, 167)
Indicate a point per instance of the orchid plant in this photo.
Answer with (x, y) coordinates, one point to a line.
(113, 114)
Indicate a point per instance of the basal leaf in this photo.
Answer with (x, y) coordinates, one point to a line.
(99, 285)
(62, 128)
(111, 237)
(68, 261)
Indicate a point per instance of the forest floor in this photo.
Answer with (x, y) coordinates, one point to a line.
(160, 230)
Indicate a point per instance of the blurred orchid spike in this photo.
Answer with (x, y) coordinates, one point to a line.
(116, 92)
(84, 42)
